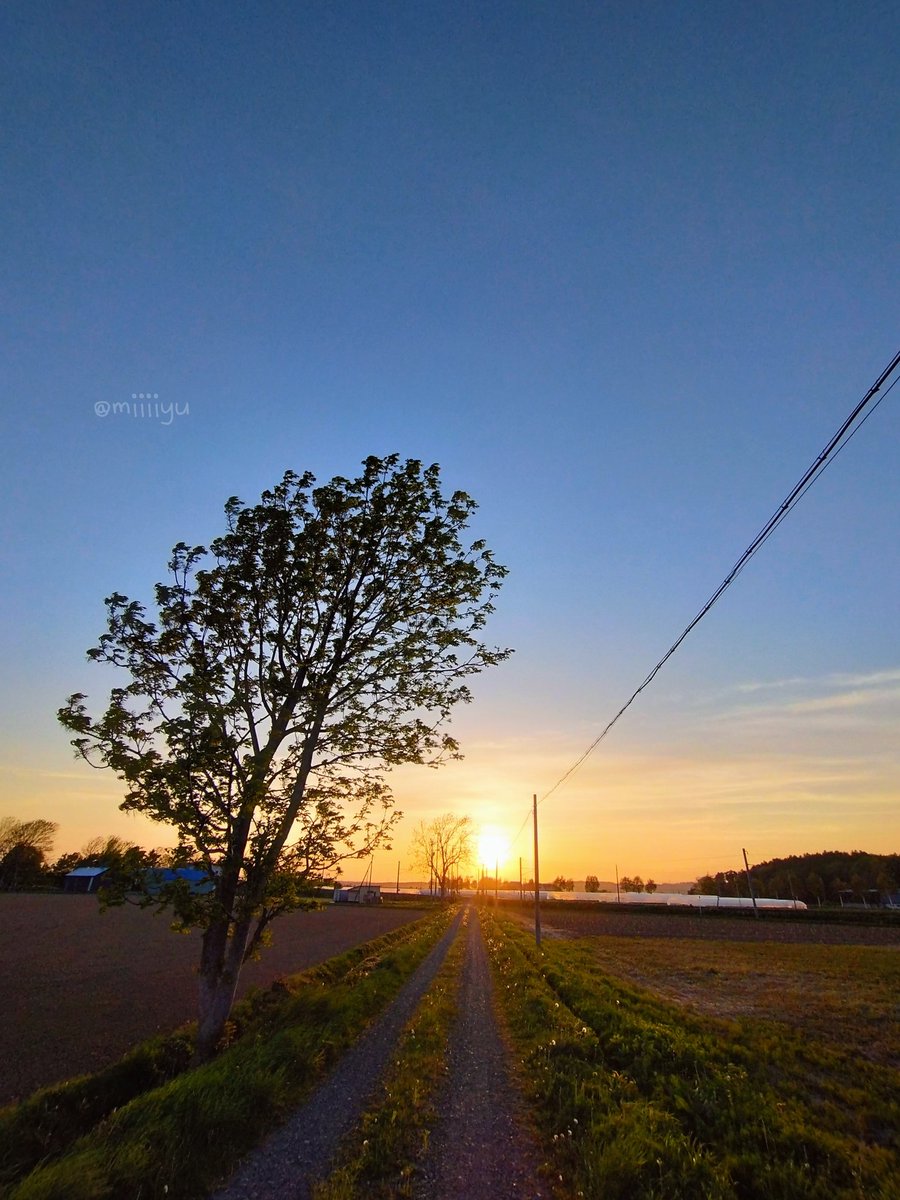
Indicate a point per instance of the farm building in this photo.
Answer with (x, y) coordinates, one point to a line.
(360, 893)
(198, 880)
(84, 879)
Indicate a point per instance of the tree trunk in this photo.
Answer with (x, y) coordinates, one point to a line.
(220, 968)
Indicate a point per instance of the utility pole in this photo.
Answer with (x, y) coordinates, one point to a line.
(521, 891)
(537, 878)
(750, 884)
(618, 897)
(496, 879)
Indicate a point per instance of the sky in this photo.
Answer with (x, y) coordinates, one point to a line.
(621, 269)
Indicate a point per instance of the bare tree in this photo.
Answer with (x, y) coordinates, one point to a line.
(443, 847)
(38, 834)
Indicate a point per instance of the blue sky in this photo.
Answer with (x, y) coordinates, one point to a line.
(621, 269)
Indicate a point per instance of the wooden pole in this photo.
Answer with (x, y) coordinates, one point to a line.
(521, 890)
(398, 879)
(537, 878)
(750, 884)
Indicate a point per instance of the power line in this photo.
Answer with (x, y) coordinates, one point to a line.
(834, 446)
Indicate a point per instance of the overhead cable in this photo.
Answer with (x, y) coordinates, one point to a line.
(834, 446)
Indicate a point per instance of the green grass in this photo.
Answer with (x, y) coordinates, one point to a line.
(102, 1139)
(380, 1158)
(638, 1098)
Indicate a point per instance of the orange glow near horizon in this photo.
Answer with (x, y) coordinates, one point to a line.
(785, 769)
(492, 849)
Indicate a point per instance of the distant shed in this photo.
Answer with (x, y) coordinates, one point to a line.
(361, 893)
(199, 881)
(84, 879)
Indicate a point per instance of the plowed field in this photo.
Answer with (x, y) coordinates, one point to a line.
(82, 987)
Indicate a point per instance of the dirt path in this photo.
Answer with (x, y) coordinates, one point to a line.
(480, 1148)
(287, 1164)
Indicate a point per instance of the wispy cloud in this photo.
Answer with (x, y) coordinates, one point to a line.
(833, 680)
(858, 698)
(771, 685)
(843, 700)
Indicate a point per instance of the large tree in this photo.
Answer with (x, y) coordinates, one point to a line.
(324, 638)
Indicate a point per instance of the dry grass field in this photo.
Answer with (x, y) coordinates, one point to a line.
(683, 1056)
(83, 986)
(835, 984)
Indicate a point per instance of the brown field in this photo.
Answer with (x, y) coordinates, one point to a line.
(82, 987)
(609, 921)
(835, 985)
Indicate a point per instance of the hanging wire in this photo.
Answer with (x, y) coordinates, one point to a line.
(848, 428)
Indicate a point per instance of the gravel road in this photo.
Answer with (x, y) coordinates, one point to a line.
(480, 1148)
(287, 1164)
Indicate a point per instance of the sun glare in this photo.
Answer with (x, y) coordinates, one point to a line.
(493, 849)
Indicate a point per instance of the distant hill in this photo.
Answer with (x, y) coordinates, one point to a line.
(829, 877)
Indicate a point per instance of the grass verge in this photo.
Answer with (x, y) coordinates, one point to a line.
(638, 1099)
(135, 1131)
(379, 1159)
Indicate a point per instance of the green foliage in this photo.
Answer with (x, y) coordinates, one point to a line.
(592, 884)
(832, 876)
(91, 1141)
(639, 1099)
(323, 639)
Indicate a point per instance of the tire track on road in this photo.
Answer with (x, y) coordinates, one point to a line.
(287, 1164)
(481, 1148)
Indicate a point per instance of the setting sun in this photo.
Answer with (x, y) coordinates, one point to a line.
(493, 848)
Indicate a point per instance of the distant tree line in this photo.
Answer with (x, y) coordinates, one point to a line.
(26, 862)
(634, 883)
(830, 877)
